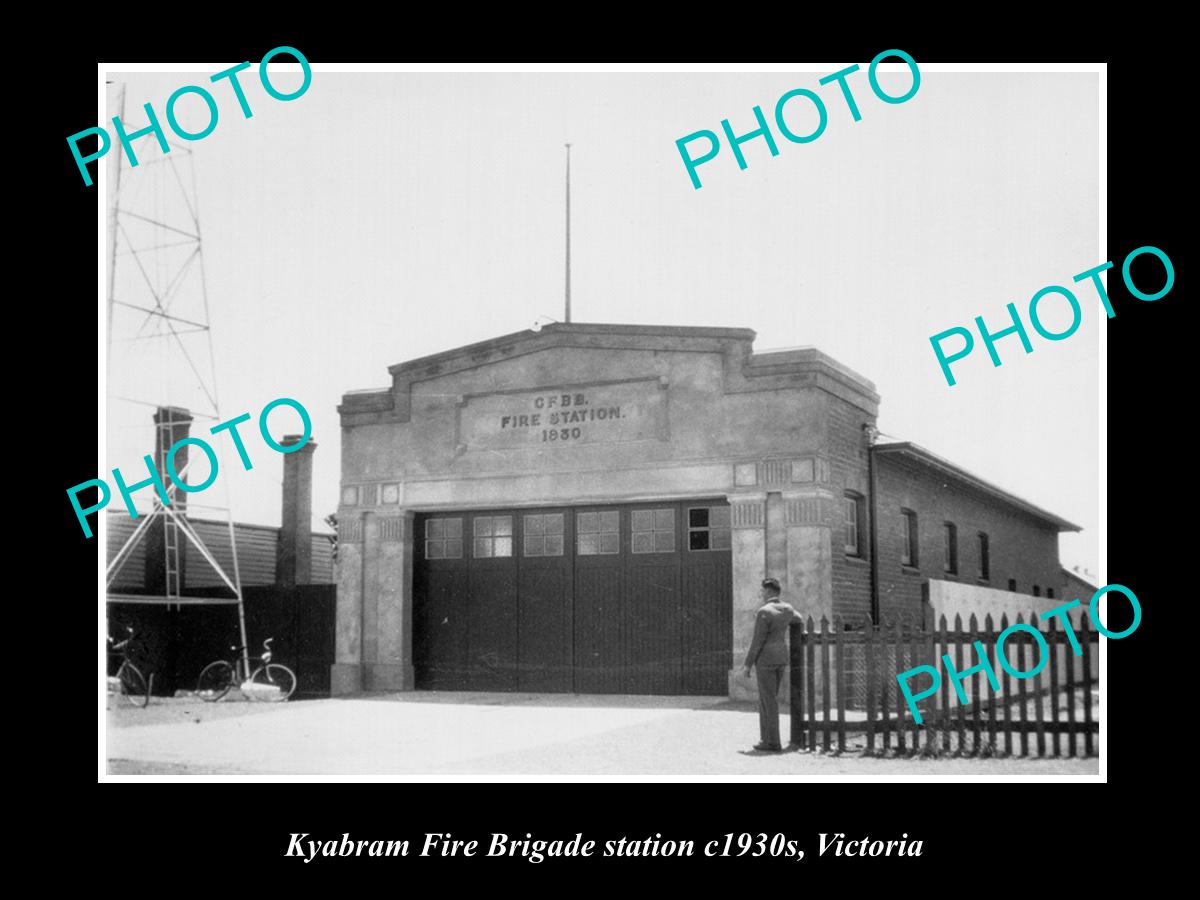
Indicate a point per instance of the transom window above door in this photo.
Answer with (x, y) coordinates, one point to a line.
(443, 538)
(653, 530)
(708, 528)
(493, 536)
(598, 533)
(544, 534)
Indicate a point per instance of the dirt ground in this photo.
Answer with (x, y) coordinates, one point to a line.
(451, 734)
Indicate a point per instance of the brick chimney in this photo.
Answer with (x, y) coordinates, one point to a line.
(293, 562)
(171, 424)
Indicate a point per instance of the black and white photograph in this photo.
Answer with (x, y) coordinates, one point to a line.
(638, 422)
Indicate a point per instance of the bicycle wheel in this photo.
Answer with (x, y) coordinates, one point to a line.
(273, 683)
(133, 685)
(215, 681)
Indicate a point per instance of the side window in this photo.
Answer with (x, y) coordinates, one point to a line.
(951, 539)
(908, 538)
(598, 533)
(708, 528)
(653, 530)
(443, 538)
(854, 506)
(493, 536)
(544, 534)
(985, 565)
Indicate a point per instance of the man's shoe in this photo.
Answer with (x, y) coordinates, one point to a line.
(768, 748)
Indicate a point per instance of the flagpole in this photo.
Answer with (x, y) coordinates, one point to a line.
(568, 310)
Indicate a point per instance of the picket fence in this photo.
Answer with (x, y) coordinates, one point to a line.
(852, 668)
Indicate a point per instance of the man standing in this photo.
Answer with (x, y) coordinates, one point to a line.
(768, 654)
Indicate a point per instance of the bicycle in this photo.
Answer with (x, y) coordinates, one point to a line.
(270, 682)
(129, 681)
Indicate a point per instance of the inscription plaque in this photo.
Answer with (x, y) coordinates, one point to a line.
(618, 412)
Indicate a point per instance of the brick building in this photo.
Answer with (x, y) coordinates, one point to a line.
(591, 508)
(936, 520)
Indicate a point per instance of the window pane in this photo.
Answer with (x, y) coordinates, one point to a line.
(718, 516)
(664, 542)
(483, 526)
(433, 549)
(664, 520)
(453, 528)
(483, 548)
(454, 548)
(554, 523)
(698, 517)
(533, 544)
(554, 545)
(588, 523)
(433, 528)
(589, 544)
(643, 520)
(609, 520)
(610, 543)
(643, 542)
(502, 525)
(698, 540)
(503, 546)
(534, 524)
(721, 539)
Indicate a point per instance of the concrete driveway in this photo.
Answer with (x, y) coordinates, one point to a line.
(468, 733)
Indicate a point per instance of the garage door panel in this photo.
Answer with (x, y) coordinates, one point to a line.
(599, 660)
(707, 624)
(545, 637)
(492, 642)
(652, 635)
(440, 630)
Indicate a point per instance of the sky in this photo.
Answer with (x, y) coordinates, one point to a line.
(381, 217)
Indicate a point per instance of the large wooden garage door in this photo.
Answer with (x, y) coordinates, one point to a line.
(610, 599)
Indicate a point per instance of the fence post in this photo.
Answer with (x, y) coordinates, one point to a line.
(990, 639)
(884, 690)
(869, 649)
(796, 676)
(825, 722)
(961, 716)
(809, 651)
(1088, 636)
(1070, 679)
(976, 713)
(944, 639)
(1038, 691)
(1007, 700)
(931, 653)
(1022, 690)
(1055, 723)
(915, 641)
(840, 644)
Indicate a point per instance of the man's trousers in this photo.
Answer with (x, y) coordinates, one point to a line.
(769, 679)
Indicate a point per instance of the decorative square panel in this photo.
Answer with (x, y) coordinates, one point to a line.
(802, 469)
(350, 495)
(745, 473)
(391, 494)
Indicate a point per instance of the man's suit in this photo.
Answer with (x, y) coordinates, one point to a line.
(768, 654)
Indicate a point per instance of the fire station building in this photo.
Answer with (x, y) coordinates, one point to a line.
(591, 509)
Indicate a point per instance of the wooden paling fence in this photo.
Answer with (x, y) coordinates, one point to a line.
(843, 681)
